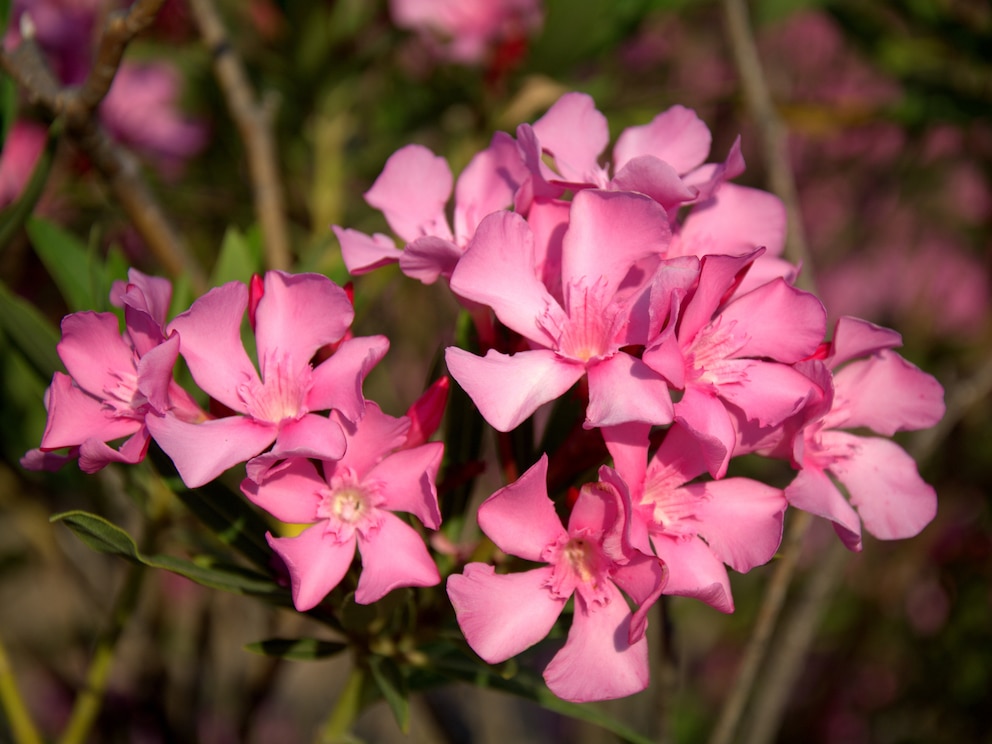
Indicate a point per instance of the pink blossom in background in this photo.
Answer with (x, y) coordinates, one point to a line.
(872, 388)
(468, 31)
(64, 29)
(695, 528)
(141, 111)
(501, 615)
(114, 381)
(295, 316)
(19, 155)
(349, 503)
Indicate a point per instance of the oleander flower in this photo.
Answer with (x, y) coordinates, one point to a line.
(295, 317)
(501, 615)
(349, 503)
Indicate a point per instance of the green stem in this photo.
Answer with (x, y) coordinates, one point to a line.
(21, 725)
(90, 699)
(346, 710)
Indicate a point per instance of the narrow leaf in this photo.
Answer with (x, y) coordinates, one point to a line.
(29, 331)
(67, 260)
(389, 678)
(106, 537)
(297, 649)
(237, 261)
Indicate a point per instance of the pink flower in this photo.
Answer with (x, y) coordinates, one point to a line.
(873, 388)
(615, 292)
(114, 381)
(296, 316)
(141, 111)
(412, 192)
(737, 355)
(348, 503)
(19, 155)
(501, 615)
(465, 31)
(695, 528)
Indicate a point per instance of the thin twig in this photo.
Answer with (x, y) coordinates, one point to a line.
(792, 644)
(77, 107)
(774, 134)
(764, 626)
(254, 122)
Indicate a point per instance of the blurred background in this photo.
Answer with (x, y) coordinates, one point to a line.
(889, 112)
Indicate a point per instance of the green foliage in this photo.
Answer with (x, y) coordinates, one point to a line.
(297, 649)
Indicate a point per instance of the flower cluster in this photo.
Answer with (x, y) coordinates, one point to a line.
(652, 290)
(656, 288)
(303, 404)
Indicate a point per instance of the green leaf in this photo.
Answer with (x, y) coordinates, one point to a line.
(106, 537)
(240, 257)
(30, 332)
(67, 260)
(389, 678)
(297, 649)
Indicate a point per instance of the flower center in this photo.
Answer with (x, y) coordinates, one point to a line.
(589, 329)
(281, 396)
(707, 356)
(122, 395)
(350, 505)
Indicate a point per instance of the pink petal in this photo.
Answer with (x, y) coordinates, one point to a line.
(501, 615)
(608, 232)
(679, 459)
(741, 520)
(717, 276)
(888, 394)
(487, 184)
(508, 389)
(394, 555)
(313, 436)
(93, 351)
(374, 438)
(677, 136)
(520, 518)
(412, 192)
(706, 418)
(781, 322)
(408, 480)
(337, 381)
(153, 295)
(210, 342)
(643, 578)
(769, 392)
(201, 452)
(628, 446)
(95, 454)
(575, 134)
(316, 563)
(290, 491)
(855, 338)
(298, 313)
(885, 487)
(497, 270)
(75, 416)
(597, 661)
(363, 253)
(813, 492)
(656, 179)
(155, 373)
(735, 221)
(623, 389)
(694, 571)
(666, 358)
(429, 257)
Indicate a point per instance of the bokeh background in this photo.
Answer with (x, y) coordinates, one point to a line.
(888, 106)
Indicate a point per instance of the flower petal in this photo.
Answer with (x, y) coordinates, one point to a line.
(812, 491)
(93, 351)
(597, 661)
(75, 416)
(623, 389)
(429, 257)
(363, 253)
(290, 491)
(315, 436)
(487, 184)
(781, 322)
(677, 136)
(394, 555)
(316, 563)
(575, 133)
(656, 179)
(412, 192)
(694, 571)
(337, 381)
(508, 389)
(520, 518)
(408, 480)
(741, 520)
(489, 607)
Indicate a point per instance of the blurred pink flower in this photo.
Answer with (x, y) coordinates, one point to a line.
(467, 31)
(349, 502)
(18, 157)
(501, 615)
